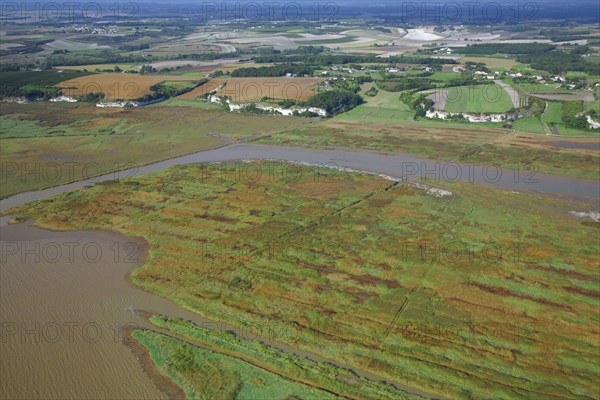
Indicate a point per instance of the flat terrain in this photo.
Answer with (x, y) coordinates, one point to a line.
(244, 90)
(65, 142)
(253, 89)
(94, 67)
(478, 99)
(447, 141)
(117, 86)
(385, 107)
(493, 62)
(208, 87)
(372, 253)
(234, 244)
(204, 374)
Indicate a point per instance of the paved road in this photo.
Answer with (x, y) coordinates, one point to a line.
(512, 93)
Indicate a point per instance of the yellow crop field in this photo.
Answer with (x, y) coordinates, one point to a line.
(117, 86)
(246, 90)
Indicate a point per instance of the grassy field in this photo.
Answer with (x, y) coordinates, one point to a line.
(208, 87)
(445, 76)
(251, 358)
(385, 107)
(485, 293)
(44, 136)
(203, 374)
(552, 116)
(180, 85)
(445, 141)
(478, 99)
(531, 124)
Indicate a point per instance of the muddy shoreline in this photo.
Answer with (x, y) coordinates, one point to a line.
(162, 382)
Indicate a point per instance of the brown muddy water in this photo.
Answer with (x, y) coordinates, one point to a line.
(66, 306)
(64, 301)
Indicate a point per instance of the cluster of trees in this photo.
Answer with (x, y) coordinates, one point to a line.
(165, 90)
(91, 97)
(253, 109)
(372, 92)
(541, 56)
(273, 71)
(335, 101)
(347, 85)
(560, 35)
(34, 85)
(134, 47)
(536, 106)
(557, 61)
(507, 48)
(146, 69)
(287, 103)
(572, 115)
(421, 104)
(31, 92)
(105, 56)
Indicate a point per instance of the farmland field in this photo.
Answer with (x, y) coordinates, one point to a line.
(253, 89)
(493, 62)
(117, 86)
(530, 124)
(385, 107)
(389, 310)
(244, 90)
(478, 99)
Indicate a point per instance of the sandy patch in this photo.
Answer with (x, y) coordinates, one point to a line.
(421, 35)
(310, 36)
